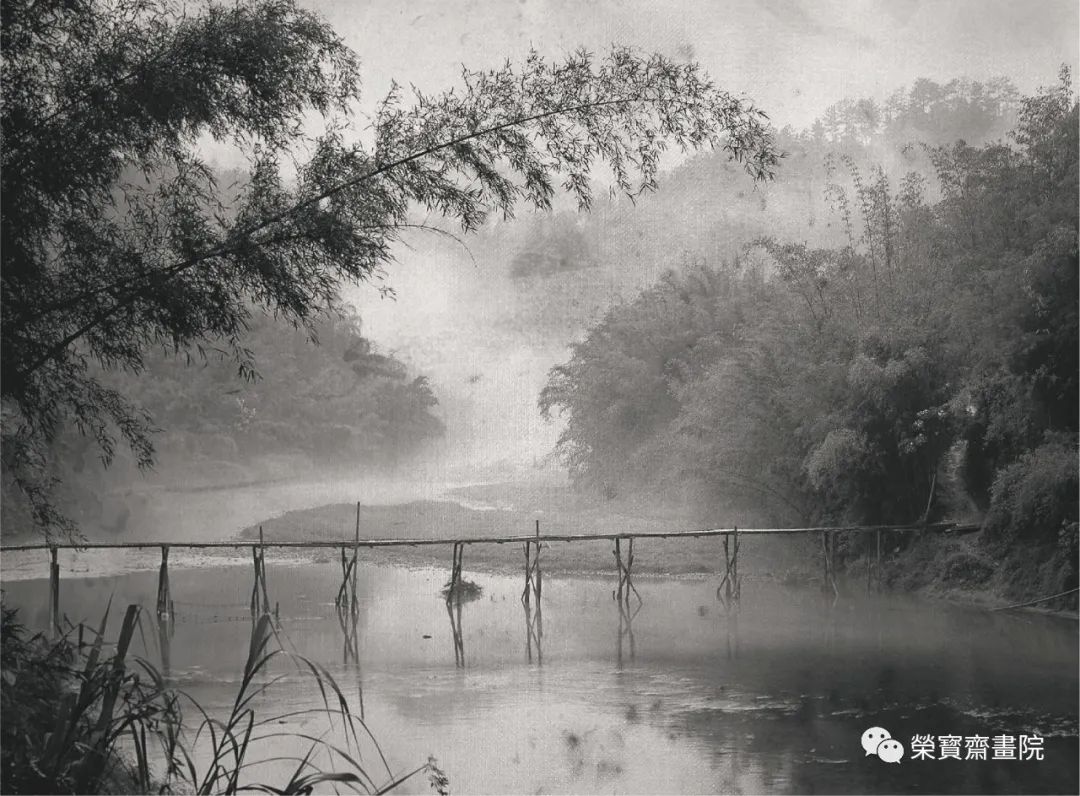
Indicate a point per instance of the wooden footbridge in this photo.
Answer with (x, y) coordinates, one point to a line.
(729, 590)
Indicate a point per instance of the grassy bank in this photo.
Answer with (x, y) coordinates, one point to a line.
(968, 569)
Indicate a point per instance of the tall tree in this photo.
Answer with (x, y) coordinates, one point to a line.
(117, 236)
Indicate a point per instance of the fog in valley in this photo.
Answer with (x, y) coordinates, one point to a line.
(435, 370)
(624, 396)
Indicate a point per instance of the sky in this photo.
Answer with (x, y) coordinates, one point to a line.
(792, 59)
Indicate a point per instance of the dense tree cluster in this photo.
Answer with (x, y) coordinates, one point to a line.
(338, 401)
(925, 366)
(568, 267)
(926, 111)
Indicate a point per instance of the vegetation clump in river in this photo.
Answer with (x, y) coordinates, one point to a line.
(463, 590)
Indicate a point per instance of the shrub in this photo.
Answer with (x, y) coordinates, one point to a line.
(1035, 497)
(966, 568)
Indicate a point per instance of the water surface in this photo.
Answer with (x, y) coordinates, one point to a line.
(674, 695)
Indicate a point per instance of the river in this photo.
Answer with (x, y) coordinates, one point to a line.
(674, 695)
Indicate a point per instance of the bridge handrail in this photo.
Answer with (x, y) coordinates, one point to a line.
(370, 543)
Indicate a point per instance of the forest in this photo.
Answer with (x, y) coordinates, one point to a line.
(915, 360)
(324, 398)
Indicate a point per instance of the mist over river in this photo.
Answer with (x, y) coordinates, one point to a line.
(674, 694)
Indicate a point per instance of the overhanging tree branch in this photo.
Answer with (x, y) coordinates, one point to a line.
(223, 251)
(161, 277)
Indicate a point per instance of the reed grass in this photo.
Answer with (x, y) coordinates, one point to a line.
(87, 722)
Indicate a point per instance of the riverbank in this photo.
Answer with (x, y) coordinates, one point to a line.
(964, 569)
(953, 568)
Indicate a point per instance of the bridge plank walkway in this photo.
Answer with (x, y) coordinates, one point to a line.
(729, 590)
(943, 527)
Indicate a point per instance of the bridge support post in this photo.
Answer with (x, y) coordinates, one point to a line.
(539, 572)
(622, 596)
(828, 554)
(533, 574)
(255, 585)
(869, 573)
(877, 565)
(534, 622)
(356, 555)
(873, 566)
(164, 596)
(526, 593)
(346, 594)
(453, 592)
(453, 604)
(625, 584)
(260, 598)
(736, 579)
(262, 572)
(344, 579)
(54, 593)
(729, 592)
(824, 563)
(618, 564)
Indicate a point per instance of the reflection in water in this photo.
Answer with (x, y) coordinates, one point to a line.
(828, 555)
(831, 621)
(347, 605)
(453, 610)
(166, 629)
(534, 631)
(347, 608)
(621, 595)
(626, 627)
(457, 591)
(773, 700)
(731, 636)
(348, 616)
(347, 620)
(729, 592)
